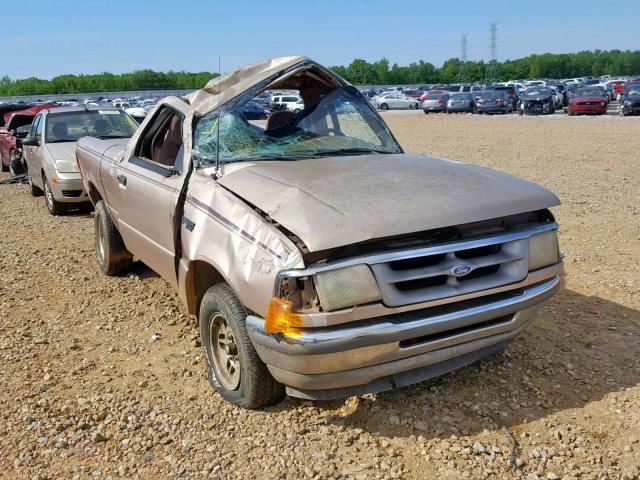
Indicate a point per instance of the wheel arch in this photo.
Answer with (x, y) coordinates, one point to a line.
(200, 276)
(93, 193)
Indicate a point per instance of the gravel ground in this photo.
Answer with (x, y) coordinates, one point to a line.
(104, 377)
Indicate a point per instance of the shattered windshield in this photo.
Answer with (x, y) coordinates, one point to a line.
(336, 122)
(537, 92)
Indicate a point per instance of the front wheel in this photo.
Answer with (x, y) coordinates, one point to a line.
(55, 207)
(113, 257)
(384, 106)
(33, 190)
(234, 368)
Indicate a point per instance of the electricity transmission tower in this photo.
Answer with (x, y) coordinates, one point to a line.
(462, 73)
(491, 74)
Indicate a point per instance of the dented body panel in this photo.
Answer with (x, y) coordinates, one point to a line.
(455, 258)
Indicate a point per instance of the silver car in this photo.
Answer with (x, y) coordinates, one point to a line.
(49, 150)
(395, 100)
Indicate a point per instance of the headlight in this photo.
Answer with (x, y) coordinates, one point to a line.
(346, 287)
(627, 103)
(66, 166)
(543, 250)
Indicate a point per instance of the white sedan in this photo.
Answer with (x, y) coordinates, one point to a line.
(394, 100)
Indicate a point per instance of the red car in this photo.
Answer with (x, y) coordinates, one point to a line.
(587, 100)
(425, 95)
(10, 154)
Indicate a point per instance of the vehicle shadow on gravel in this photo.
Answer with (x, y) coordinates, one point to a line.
(579, 349)
(140, 270)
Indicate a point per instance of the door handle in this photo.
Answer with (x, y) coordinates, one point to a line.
(122, 180)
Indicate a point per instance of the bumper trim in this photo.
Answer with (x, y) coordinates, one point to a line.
(387, 330)
(399, 380)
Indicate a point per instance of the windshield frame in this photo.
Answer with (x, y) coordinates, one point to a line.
(51, 116)
(238, 101)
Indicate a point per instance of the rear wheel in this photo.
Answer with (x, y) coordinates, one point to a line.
(15, 164)
(234, 367)
(54, 207)
(113, 257)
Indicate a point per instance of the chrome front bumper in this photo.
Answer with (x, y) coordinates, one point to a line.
(382, 353)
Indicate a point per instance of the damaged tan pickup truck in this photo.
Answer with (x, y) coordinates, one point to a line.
(321, 260)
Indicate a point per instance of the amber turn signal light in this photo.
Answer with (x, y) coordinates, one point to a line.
(280, 317)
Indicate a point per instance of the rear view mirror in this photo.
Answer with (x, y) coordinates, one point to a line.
(31, 142)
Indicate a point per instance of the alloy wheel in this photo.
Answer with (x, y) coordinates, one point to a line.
(224, 352)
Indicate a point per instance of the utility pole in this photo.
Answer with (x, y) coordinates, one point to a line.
(462, 73)
(492, 67)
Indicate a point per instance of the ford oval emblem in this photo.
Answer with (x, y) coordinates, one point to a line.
(461, 269)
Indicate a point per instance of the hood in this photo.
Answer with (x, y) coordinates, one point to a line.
(62, 151)
(537, 98)
(336, 201)
(64, 156)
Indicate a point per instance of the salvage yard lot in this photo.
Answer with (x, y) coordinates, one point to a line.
(89, 391)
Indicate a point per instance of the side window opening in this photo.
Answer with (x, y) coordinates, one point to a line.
(162, 142)
(39, 130)
(34, 126)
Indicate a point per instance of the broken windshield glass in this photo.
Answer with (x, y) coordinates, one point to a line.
(331, 123)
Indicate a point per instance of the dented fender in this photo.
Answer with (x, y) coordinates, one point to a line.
(226, 233)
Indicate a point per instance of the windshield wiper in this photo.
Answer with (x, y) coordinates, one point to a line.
(351, 151)
(104, 137)
(62, 140)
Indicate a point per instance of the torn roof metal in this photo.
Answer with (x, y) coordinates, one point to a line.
(220, 90)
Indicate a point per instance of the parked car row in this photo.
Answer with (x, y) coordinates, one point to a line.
(309, 271)
(530, 97)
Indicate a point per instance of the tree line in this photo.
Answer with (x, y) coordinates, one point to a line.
(549, 65)
(105, 82)
(358, 72)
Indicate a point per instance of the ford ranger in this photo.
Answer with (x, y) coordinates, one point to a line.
(321, 260)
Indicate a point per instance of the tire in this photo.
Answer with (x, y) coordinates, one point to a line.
(384, 106)
(426, 112)
(33, 190)
(54, 207)
(113, 257)
(234, 368)
(15, 164)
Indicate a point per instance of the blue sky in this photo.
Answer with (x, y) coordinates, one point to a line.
(49, 37)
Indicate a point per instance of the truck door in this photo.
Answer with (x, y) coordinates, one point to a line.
(149, 183)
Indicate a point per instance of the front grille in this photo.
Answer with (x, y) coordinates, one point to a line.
(71, 193)
(462, 269)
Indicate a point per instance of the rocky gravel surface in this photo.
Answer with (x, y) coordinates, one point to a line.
(103, 378)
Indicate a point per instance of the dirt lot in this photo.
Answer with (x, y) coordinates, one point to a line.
(87, 393)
